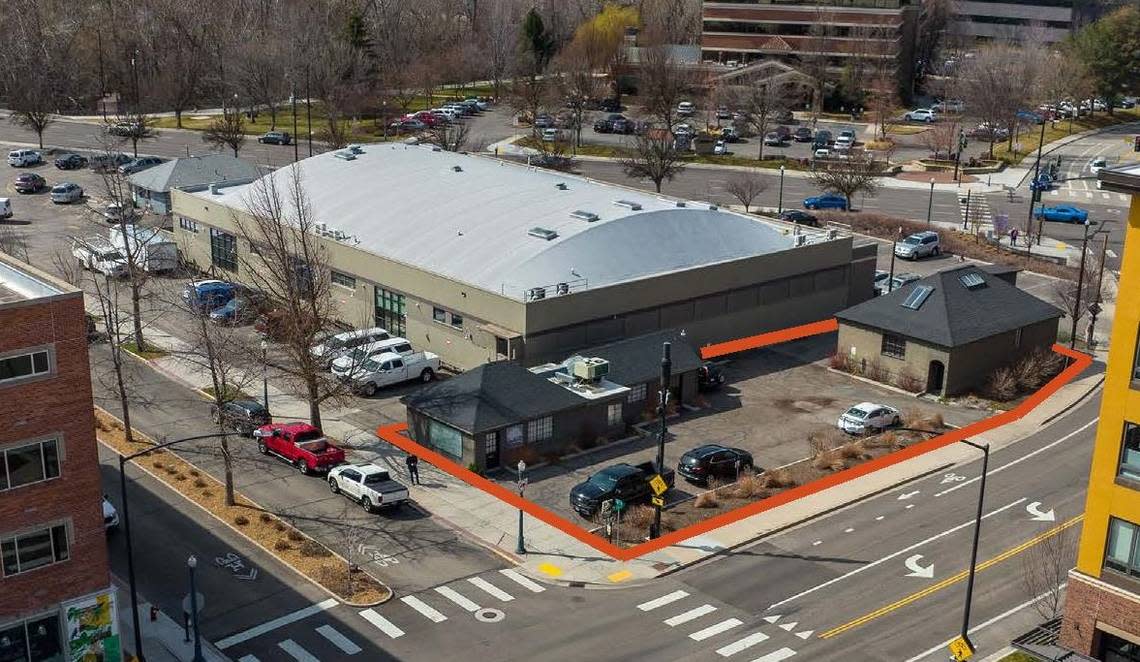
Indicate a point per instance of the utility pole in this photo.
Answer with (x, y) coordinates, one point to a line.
(1076, 311)
(958, 156)
(1033, 194)
(309, 110)
(296, 138)
(891, 277)
(930, 205)
(666, 377)
(1094, 308)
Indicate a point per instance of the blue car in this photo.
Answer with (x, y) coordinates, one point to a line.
(238, 310)
(206, 295)
(1063, 214)
(826, 201)
(1043, 183)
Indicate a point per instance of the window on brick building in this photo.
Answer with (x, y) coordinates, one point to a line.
(540, 429)
(20, 366)
(1122, 553)
(28, 463)
(39, 638)
(613, 414)
(34, 549)
(894, 346)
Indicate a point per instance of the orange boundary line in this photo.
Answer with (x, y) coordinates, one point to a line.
(394, 434)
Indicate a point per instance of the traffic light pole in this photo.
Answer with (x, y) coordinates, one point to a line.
(666, 377)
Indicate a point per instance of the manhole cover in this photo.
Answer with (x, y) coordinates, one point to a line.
(488, 615)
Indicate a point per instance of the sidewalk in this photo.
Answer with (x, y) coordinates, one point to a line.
(163, 639)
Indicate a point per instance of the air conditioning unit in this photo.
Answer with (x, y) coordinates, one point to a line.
(345, 155)
(536, 293)
(591, 369)
(356, 149)
(320, 228)
(833, 234)
(801, 239)
(562, 288)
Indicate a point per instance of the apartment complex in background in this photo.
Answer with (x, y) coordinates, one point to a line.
(1042, 21)
(1102, 610)
(57, 604)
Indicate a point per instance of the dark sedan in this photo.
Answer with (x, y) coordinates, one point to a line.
(714, 461)
(799, 218)
(241, 416)
(802, 135)
(71, 162)
(29, 182)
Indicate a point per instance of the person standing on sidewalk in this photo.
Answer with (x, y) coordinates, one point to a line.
(1013, 237)
(413, 468)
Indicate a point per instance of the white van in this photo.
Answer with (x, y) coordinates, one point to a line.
(99, 255)
(5, 208)
(148, 247)
(342, 343)
(19, 158)
(350, 362)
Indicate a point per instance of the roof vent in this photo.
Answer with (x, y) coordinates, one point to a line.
(681, 203)
(561, 186)
(437, 149)
(972, 280)
(628, 204)
(356, 149)
(587, 216)
(562, 288)
(456, 168)
(215, 189)
(542, 233)
(713, 207)
(536, 293)
(345, 155)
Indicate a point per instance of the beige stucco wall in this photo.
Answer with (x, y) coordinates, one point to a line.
(861, 344)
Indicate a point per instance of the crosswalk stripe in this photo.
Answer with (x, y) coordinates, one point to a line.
(687, 616)
(515, 577)
(457, 598)
(776, 656)
(487, 586)
(296, 652)
(386, 626)
(739, 645)
(424, 609)
(258, 630)
(662, 601)
(713, 630)
(248, 658)
(339, 640)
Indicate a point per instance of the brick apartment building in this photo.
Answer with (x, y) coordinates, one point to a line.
(54, 577)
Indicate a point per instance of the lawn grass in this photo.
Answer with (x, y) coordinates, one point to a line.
(617, 152)
(233, 393)
(906, 129)
(1017, 656)
(1030, 139)
(147, 354)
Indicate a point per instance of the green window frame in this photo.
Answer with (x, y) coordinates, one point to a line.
(391, 311)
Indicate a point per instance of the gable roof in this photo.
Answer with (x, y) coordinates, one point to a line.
(195, 171)
(953, 315)
(638, 360)
(491, 396)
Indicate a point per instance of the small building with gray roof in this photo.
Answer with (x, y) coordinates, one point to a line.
(479, 259)
(151, 188)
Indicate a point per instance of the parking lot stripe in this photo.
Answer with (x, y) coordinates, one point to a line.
(692, 614)
(339, 640)
(515, 577)
(662, 601)
(424, 609)
(269, 626)
(386, 626)
(296, 652)
(776, 656)
(487, 586)
(741, 644)
(713, 630)
(457, 598)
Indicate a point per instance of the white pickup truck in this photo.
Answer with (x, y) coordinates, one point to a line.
(387, 369)
(98, 254)
(368, 485)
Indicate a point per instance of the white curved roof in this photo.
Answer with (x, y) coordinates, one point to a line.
(467, 218)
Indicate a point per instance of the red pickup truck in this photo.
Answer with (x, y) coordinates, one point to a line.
(300, 444)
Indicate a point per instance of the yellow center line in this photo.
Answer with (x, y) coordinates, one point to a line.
(1013, 551)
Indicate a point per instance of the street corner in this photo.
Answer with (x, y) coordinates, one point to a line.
(595, 573)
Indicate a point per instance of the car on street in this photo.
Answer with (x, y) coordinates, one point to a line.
(900, 280)
(124, 129)
(367, 484)
(338, 345)
(774, 139)
(826, 201)
(1043, 182)
(29, 182)
(603, 125)
(867, 418)
(140, 164)
(624, 481)
(921, 115)
(919, 244)
(1062, 214)
(207, 294)
(390, 368)
(300, 444)
(802, 135)
(799, 218)
(20, 158)
(550, 135)
(110, 515)
(66, 192)
(241, 416)
(948, 106)
(70, 162)
(686, 108)
(1098, 164)
(275, 138)
(709, 461)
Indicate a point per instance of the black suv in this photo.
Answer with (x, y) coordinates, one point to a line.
(242, 416)
(714, 461)
(275, 138)
(603, 126)
(71, 162)
(799, 218)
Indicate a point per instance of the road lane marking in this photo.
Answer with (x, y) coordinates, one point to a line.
(386, 626)
(457, 598)
(805, 634)
(818, 542)
(269, 626)
(773, 618)
(880, 518)
(296, 652)
(490, 588)
(741, 644)
(898, 604)
(1022, 458)
(423, 608)
(848, 530)
(339, 640)
(897, 554)
(788, 627)
(776, 656)
(692, 614)
(662, 601)
(713, 630)
(525, 582)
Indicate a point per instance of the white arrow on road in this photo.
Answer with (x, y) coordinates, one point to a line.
(917, 570)
(249, 576)
(907, 495)
(1034, 509)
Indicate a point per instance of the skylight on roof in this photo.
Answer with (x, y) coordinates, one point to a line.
(972, 280)
(917, 297)
(542, 233)
(587, 216)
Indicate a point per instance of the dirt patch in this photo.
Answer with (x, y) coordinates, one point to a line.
(808, 405)
(275, 536)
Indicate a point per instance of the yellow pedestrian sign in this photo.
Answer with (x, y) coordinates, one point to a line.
(658, 501)
(659, 485)
(961, 649)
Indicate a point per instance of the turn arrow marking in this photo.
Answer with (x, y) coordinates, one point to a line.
(1034, 510)
(917, 570)
(908, 495)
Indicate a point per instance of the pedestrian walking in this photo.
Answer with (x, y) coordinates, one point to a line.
(413, 468)
(1013, 237)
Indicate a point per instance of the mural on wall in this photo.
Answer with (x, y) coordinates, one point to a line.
(92, 629)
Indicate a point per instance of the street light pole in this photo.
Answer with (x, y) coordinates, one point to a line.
(296, 146)
(1036, 174)
(930, 205)
(192, 563)
(521, 547)
(1076, 311)
(891, 277)
(309, 110)
(264, 375)
(985, 448)
(666, 377)
(781, 203)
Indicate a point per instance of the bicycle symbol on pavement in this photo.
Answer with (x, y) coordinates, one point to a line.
(952, 478)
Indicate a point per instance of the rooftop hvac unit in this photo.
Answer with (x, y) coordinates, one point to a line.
(587, 216)
(339, 235)
(345, 155)
(591, 369)
(713, 207)
(628, 204)
(456, 168)
(542, 233)
(681, 203)
(536, 293)
(561, 186)
(801, 239)
(356, 149)
(833, 234)
(562, 288)
(437, 149)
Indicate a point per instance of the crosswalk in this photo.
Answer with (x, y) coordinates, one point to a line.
(975, 208)
(1082, 191)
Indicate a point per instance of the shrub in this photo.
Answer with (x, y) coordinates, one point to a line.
(1002, 385)
(280, 526)
(908, 381)
(313, 549)
(179, 476)
(778, 478)
(855, 450)
(751, 487)
(157, 464)
(638, 517)
(888, 439)
(194, 473)
(839, 362)
(707, 500)
(171, 469)
(721, 488)
(282, 545)
(198, 482)
(474, 468)
(875, 371)
(207, 493)
(827, 460)
(265, 518)
(295, 535)
(241, 520)
(101, 425)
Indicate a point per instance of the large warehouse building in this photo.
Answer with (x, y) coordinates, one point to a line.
(478, 259)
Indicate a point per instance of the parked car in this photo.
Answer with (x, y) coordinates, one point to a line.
(208, 294)
(921, 115)
(826, 201)
(774, 139)
(543, 121)
(948, 106)
(299, 444)
(70, 162)
(823, 138)
(29, 182)
(367, 484)
(108, 162)
(241, 309)
(19, 158)
(275, 138)
(900, 280)
(66, 192)
(720, 148)
(868, 417)
(709, 378)
(730, 135)
(709, 461)
(802, 135)
(821, 153)
(241, 416)
(1062, 214)
(603, 125)
(139, 164)
(988, 133)
(348, 364)
(340, 344)
(799, 218)
(407, 126)
(1030, 117)
(110, 515)
(609, 105)
(390, 368)
(5, 208)
(624, 481)
(920, 244)
(550, 135)
(686, 108)
(683, 130)
(99, 255)
(845, 139)
(723, 113)
(149, 247)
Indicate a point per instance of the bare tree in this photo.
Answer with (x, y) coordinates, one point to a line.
(653, 157)
(1074, 299)
(746, 187)
(941, 139)
(662, 81)
(529, 95)
(760, 105)
(450, 136)
(117, 189)
(13, 243)
(181, 65)
(849, 177)
(577, 84)
(1045, 568)
(1000, 80)
(226, 130)
(131, 126)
